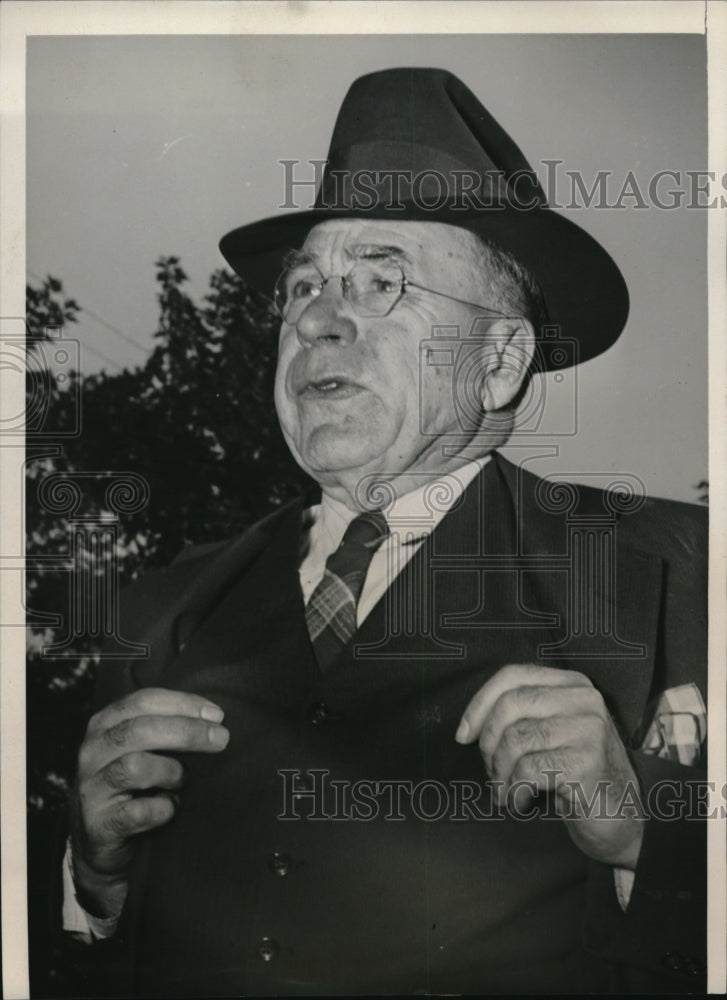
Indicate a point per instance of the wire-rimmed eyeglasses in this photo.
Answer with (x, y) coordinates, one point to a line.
(373, 287)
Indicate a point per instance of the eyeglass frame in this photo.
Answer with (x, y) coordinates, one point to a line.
(404, 284)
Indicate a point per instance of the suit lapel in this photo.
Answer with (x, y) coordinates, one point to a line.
(437, 601)
(174, 626)
(457, 604)
(604, 593)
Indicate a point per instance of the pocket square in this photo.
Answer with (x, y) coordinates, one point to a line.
(679, 725)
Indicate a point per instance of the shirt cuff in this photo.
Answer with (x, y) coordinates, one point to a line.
(624, 879)
(77, 921)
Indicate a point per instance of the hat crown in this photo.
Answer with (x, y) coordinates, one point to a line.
(427, 128)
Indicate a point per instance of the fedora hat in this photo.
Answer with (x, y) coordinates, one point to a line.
(417, 145)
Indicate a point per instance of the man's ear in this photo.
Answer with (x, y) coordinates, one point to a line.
(510, 348)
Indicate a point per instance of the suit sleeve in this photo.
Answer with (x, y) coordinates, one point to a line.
(100, 969)
(659, 941)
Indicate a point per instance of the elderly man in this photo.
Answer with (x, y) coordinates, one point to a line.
(430, 728)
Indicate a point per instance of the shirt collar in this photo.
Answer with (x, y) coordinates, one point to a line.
(411, 516)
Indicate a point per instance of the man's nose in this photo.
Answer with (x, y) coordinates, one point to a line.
(329, 317)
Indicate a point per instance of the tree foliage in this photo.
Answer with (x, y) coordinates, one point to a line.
(196, 422)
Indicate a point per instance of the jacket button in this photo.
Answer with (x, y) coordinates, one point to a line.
(279, 864)
(302, 783)
(268, 948)
(673, 961)
(318, 713)
(695, 968)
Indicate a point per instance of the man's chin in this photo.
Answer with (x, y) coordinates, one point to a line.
(328, 453)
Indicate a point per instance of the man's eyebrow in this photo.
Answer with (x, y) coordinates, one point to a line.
(295, 257)
(362, 251)
(379, 251)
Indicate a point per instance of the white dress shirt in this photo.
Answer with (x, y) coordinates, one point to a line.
(411, 517)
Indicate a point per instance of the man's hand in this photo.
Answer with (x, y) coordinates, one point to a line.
(124, 787)
(550, 730)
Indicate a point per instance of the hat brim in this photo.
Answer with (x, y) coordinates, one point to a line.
(584, 290)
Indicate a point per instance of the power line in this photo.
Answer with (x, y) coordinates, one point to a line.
(87, 347)
(103, 322)
(113, 329)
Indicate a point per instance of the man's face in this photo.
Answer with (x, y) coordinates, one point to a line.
(349, 393)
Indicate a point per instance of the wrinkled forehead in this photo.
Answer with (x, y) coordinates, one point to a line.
(427, 248)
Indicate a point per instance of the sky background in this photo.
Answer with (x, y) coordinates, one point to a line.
(143, 146)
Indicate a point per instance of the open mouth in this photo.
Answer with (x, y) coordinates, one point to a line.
(331, 386)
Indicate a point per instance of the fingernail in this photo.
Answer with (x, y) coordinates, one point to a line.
(463, 732)
(212, 713)
(218, 736)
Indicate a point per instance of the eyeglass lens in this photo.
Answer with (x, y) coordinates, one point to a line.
(372, 287)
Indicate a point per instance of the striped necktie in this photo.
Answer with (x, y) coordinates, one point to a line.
(331, 610)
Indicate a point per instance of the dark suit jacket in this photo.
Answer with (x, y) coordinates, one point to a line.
(230, 898)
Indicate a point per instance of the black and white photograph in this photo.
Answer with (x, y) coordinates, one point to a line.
(361, 491)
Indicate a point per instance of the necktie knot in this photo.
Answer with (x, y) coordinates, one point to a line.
(360, 540)
(367, 530)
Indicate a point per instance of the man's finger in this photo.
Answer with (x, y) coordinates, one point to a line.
(556, 734)
(139, 772)
(155, 701)
(531, 703)
(544, 770)
(152, 732)
(511, 676)
(540, 771)
(137, 815)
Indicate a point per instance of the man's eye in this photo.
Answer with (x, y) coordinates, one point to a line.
(387, 284)
(303, 288)
(382, 283)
